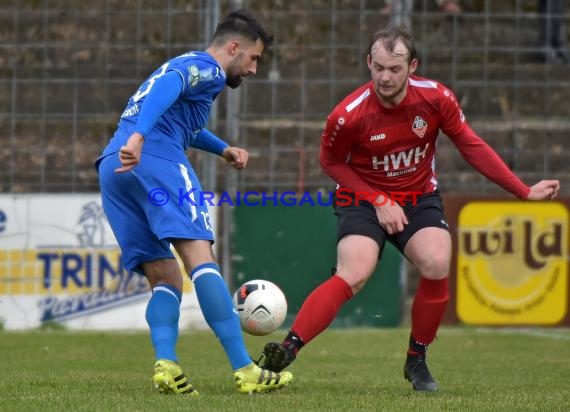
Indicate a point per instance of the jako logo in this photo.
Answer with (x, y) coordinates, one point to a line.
(377, 137)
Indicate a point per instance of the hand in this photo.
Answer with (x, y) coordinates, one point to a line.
(236, 157)
(391, 216)
(544, 190)
(130, 153)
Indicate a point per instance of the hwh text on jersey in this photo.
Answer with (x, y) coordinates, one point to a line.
(393, 161)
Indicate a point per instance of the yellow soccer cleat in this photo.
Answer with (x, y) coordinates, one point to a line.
(252, 378)
(169, 378)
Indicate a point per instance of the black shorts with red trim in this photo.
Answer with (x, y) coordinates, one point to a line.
(359, 218)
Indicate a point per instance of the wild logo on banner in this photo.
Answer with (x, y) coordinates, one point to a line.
(512, 266)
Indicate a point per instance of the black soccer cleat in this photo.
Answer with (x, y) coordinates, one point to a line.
(276, 357)
(417, 372)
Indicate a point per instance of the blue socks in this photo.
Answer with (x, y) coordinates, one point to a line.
(219, 312)
(162, 314)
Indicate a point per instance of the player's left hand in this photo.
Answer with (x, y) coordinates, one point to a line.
(236, 157)
(544, 190)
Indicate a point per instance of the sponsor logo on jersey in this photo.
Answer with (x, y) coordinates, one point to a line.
(401, 160)
(194, 76)
(401, 172)
(377, 137)
(131, 111)
(419, 127)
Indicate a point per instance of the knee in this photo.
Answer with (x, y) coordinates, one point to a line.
(194, 253)
(164, 275)
(357, 287)
(355, 278)
(435, 266)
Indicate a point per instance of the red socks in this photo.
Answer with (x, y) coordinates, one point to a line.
(428, 309)
(320, 308)
(322, 305)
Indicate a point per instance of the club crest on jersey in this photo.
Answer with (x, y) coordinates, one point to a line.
(419, 127)
(194, 75)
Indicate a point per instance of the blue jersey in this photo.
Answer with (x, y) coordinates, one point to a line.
(175, 131)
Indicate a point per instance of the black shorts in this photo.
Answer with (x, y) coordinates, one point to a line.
(361, 220)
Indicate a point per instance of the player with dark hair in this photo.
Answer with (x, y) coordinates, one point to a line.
(166, 116)
(380, 139)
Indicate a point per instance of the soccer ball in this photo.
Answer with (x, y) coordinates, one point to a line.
(261, 306)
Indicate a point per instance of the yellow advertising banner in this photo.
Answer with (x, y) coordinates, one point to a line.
(512, 264)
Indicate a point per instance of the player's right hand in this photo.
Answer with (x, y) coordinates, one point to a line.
(391, 217)
(130, 153)
(544, 190)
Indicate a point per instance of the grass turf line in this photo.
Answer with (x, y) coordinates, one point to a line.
(343, 369)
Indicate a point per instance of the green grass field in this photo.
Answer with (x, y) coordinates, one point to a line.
(342, 370)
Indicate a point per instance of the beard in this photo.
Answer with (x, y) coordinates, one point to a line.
(392, 93)
(233, 81)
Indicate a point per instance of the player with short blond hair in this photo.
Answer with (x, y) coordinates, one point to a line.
(381, 139)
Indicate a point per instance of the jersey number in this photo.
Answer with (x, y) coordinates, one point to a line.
(206, 217)
(142, 93)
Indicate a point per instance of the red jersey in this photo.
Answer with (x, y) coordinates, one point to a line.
(367, 147)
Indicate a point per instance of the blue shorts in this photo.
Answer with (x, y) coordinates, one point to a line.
(151, 205)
